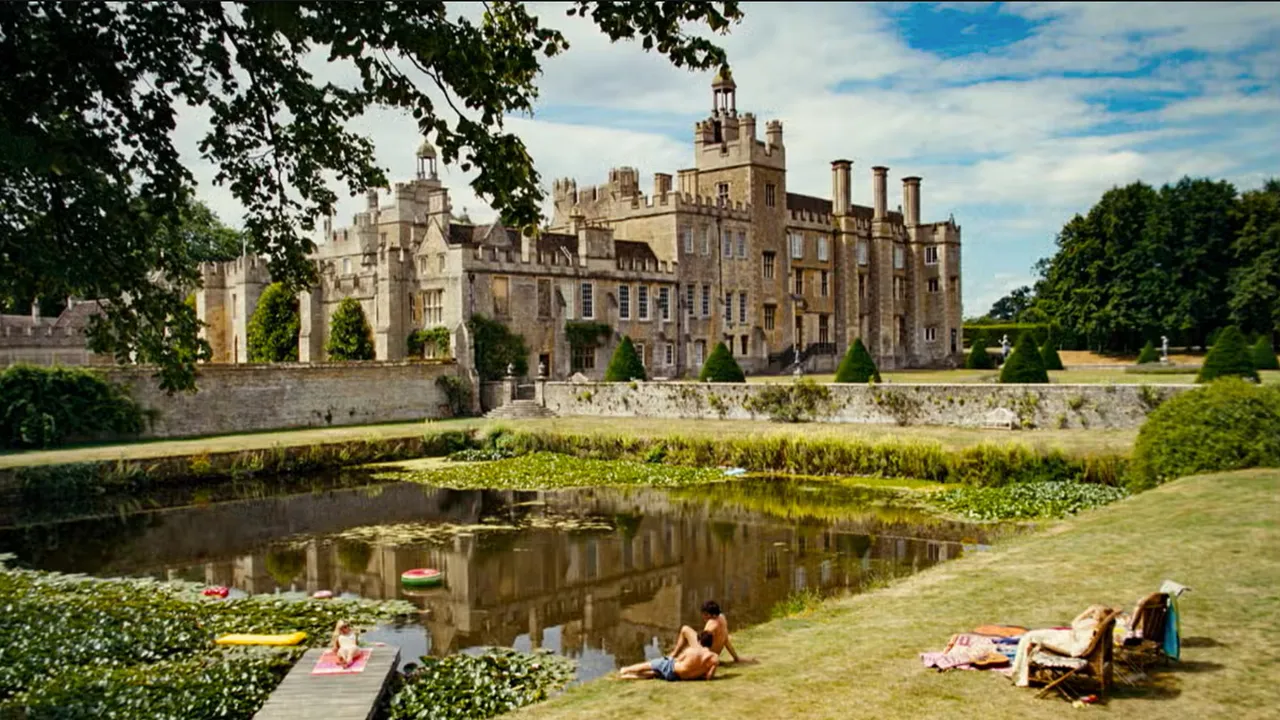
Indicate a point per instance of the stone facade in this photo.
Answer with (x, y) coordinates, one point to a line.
(39, 340)
(721, 252)
(255, 398)
(1017, 406)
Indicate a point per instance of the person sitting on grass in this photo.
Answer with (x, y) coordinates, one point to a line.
(692, 660)
(345, 643)
(716, 624)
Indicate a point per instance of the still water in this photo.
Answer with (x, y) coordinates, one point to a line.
(604, 576)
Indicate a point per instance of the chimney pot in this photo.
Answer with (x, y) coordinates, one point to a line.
(879, 190)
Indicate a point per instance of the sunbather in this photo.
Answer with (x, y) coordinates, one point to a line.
(693, 660)
(715, 623)
(345, 643)
(1070, 642)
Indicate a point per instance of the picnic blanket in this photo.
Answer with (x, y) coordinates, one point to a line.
(977, 650)
(328, 663)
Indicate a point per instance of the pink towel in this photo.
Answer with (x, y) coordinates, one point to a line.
(328, 663)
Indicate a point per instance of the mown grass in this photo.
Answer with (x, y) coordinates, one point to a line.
(857, 657)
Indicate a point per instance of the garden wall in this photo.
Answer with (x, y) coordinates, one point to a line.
(246, 398)
(1041, 406)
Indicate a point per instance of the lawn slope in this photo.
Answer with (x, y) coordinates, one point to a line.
(857, 657)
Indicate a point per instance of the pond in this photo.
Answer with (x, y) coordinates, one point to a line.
(602, 575)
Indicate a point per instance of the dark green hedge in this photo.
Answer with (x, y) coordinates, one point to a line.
(857, 365)
(721, 367)
(1229, 356)
(1013, 330)
(42, 407)
(625, 364)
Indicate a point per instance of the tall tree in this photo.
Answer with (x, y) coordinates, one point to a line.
(1010, 307)
(94, 188)
(273, 329)
(1255, 280)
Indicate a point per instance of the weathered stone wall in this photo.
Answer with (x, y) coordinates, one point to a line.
(243, 398)
(1040, 406)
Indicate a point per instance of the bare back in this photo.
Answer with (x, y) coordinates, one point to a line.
(719, 629)
(697, 663)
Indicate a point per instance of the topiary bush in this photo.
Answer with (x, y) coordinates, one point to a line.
(273, 329)
(1226, 425)
(42, 407)
(1049, 355)
(1148, 354)
(1264, 356)
(349, 335)
(626, 364)
(1229, 356)
(721, 367)
(1024, 364)
(979, 358)
(857, 365)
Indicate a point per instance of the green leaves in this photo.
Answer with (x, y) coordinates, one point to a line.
(625, 364)
(42, 407)
(1024, 364)
(1026, 501)
(273, 329)
(90, 95)
(721, 367)
(545, 470)
(496, 347)
(857, 365)
(350, 337)
(471, 687)
(1229, 356)
(138, 648)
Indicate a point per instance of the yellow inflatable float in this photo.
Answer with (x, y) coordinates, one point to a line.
(244, 639)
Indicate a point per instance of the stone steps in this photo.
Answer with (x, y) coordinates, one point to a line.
(520, 410)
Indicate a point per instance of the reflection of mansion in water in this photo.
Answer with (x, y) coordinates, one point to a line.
(607, 591)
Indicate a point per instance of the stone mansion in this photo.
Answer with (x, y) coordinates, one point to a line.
(719, 252)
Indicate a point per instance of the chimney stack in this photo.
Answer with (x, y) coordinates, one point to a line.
(911, 200)
(841, 192)
(661, 184)
(372, 197)
(879, 189)
(748, 127)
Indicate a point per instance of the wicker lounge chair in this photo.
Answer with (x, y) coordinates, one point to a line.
(1095, 661)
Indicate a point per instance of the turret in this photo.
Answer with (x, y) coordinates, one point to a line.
(773, 133)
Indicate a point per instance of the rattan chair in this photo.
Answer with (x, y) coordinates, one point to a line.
(1143, 645)
(1096, 661)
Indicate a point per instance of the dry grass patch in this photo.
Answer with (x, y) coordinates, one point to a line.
(857, 657)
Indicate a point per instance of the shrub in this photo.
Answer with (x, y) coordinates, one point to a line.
(349, 335)
(979, 358)
(273, 329)
(857, 365)
(1015, 332)
(721, 367)
(457, 392)
(800, 401)
(1049, 355)
(1264, 356)
(1148, 354)
(437, 337)
(625, 364)
(1024, 364)
(1228, 356)
(1027, 500)
(496, 347)
(42, 407)
(1226, 425)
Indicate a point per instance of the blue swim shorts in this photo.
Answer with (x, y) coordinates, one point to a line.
(665, 667)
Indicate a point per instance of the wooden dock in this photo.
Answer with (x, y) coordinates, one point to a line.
(302, 696)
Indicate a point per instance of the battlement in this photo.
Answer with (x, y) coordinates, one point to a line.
(568, 198)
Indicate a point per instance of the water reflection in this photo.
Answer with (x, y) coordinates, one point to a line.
(605, 597)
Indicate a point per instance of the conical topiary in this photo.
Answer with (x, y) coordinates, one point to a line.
(1024, 364)
(857, 365)
(626, 364)
(1148, 354)
(721, 367)
(1264, 356)
(1230, 355)
(349, 335)
(1049, 355)
(979, 358)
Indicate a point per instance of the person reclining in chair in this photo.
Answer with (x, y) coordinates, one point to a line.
(691, 660)
(1070, 642)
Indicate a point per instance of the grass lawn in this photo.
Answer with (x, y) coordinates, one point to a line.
(857, 657)
(1071, 441)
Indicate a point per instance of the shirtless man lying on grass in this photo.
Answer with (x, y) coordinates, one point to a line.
(691, 660)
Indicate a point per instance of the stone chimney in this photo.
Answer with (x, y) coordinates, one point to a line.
(911, 200)
(879, 189)
(841, 192)
(773, 133)
(35, 312)
(661, 184)
(372, 197)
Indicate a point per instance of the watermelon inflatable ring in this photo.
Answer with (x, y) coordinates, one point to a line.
(422, 577)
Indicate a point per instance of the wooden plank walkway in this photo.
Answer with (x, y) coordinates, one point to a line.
(302, 696)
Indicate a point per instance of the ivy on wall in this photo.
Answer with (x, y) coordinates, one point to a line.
(586, 334)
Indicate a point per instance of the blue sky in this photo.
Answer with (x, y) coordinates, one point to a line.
(1017, 116)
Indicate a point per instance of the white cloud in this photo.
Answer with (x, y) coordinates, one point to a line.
(1008, 140)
